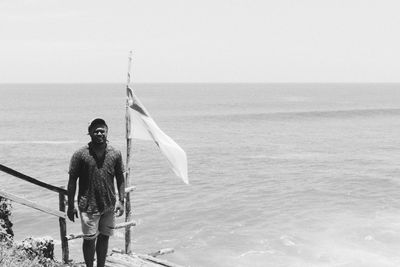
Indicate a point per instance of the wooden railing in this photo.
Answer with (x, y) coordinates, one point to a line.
(60, 213)
(62, 193)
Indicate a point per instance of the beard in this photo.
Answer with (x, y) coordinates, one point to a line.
(99, 139)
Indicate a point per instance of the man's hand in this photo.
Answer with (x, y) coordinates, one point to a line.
(72, 213)
(119, 208)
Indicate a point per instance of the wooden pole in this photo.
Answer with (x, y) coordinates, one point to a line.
(128, 212)
(63, 229)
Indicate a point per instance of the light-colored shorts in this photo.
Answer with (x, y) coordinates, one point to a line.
(95, 223)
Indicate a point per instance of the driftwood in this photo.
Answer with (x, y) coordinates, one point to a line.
(161, 252)
(158, 261)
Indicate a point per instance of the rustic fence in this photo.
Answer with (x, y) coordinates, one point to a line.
(58, 213)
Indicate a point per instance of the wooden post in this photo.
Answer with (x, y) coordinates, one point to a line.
(128, 212)
(63, 229)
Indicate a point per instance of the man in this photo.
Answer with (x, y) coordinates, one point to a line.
(96, 165)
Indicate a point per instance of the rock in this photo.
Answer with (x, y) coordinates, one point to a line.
(38, 247)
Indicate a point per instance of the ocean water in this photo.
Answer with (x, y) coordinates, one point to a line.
(281, 174)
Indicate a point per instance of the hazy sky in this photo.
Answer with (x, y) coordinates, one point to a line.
(200, 41)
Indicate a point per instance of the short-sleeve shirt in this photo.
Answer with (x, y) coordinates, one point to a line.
(96, 178)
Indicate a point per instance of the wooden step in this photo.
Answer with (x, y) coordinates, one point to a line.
(136, 260)
(124, 260)
(157, 261)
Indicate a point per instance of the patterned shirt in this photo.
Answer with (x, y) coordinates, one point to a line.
(96, 178)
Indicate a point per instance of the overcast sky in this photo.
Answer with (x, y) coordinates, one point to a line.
(200, 41)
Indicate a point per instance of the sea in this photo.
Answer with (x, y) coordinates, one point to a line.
(280, 174)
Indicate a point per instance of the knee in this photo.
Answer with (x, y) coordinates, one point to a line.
(103, 237)
(90, 237)
(89, 243)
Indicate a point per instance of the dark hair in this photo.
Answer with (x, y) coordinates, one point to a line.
(95, 122)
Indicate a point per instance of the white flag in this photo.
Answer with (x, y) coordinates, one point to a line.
(142, 126)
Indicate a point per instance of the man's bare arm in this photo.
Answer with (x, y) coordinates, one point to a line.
(121, 186)
(72, 212)
(119, 206)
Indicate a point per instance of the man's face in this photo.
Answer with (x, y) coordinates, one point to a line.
(99, 134)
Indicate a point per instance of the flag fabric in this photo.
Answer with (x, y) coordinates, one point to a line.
(142, 126)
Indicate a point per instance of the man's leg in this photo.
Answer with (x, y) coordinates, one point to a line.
(101, 249)
(89, 222)
(106, 226)
(88, 248)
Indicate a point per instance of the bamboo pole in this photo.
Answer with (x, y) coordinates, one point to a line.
(74, 236)
(129, 189)
(63, 229)
(125, 224)
(128, 212)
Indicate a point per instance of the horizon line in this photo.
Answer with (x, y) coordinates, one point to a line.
(11, 83)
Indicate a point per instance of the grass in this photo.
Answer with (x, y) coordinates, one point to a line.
(16, 255)
(31, 252)
(12, 256)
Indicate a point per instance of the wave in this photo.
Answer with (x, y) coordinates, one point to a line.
(343, 113)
